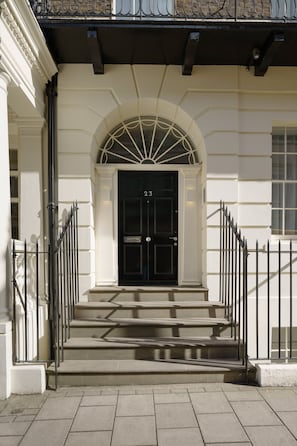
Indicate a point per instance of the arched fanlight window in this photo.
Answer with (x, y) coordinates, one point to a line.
(147, 140)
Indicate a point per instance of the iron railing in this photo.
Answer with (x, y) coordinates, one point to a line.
(41, 326)
(230, 10)
(67, 287)
(233, 280)
(273, 301)
(259, 290)
(30, 306)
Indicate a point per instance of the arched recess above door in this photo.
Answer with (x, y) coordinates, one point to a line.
(147, 140)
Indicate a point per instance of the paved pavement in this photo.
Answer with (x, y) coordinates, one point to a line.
(165, 415)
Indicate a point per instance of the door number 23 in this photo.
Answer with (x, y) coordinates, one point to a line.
(147, 193)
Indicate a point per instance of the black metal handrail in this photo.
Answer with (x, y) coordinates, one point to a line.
(67, 287)
(34, 316)
(231, 10)
(29, 303)
(273, 289)
(259, 290)
(233, 271)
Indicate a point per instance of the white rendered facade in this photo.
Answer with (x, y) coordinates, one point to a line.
(25, 68)
(227, 113)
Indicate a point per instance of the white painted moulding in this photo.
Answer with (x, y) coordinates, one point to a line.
(276, 374)
(28, 379)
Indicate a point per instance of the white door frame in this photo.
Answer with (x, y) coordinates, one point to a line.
(189, 221)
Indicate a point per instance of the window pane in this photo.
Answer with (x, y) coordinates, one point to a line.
(13, 159)
(277, 195)
(292, 140)
(14, 187)
(291, 195)
(277, 225)
(278, 140)
(278, 167)
(15, 220)
(291, 222)
(291, 167)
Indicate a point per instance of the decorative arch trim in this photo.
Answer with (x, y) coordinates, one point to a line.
(147, 140)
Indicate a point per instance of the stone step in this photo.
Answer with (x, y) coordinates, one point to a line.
(149, 309)
(153, 327)
(141, 294)
(137, 372)
(150, 348)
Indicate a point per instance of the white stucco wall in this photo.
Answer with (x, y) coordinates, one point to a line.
(227, 112)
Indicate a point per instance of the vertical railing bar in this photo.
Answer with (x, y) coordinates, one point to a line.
(37, 299)
(67, 281)
(221, 246)
(291, 301)
(239, 293)
(65, 333)
(232, 278)
(58, 321)
(76, 252)
(245, 340)
(26, 300)
(223, 256)
(268, 299)
(72, 267)
(15, 356)
(279, 299)
(229, 263)
(257, 299)
(235, 284)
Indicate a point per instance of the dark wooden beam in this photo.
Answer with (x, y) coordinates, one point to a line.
(267, 53)
(95, 51)
(190, 53)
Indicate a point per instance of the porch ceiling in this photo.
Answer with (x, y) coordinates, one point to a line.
(131, 42)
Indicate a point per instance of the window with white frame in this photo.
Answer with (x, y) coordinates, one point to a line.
(14, 192)
(144, 8)
(283, 8)
(284, 181)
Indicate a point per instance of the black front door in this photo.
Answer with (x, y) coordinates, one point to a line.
(148, 216)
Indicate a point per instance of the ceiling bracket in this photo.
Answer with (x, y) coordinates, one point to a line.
(190, 53)
(263, 57)
(95, 51)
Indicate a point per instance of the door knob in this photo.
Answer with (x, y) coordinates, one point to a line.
(173, 238)
(147, 239)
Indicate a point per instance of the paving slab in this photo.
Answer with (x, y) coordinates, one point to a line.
(47, 433)
(172, 398)
(178, 437)
(135, 405)
(175, 415)
(255, 413)
(210, 402)
(14, 429)
(290, 420)
(94, 419)
(281, 400)
(134, 431)
(270, 436)
(10, 441)
(99, 400)
(242, 395)
(102, 438)
(58, 408)
(221, 428)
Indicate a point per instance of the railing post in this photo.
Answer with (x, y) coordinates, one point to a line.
(52, 215)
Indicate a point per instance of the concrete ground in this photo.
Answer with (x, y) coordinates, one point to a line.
(164, 415)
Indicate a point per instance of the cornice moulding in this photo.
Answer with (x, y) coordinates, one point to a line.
(23, 26)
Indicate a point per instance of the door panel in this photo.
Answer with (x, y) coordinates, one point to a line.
(148, 217)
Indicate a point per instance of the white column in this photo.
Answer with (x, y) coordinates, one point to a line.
(106, 227)
(5, 236)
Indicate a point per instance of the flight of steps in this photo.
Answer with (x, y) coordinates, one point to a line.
(125, 336)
